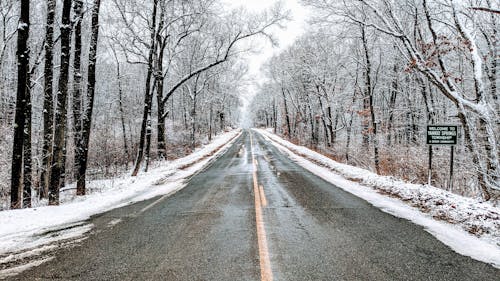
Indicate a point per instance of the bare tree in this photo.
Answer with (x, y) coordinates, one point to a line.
(83, 143)
(48, 104)
(385, 71)
(77, 87)
(59, 149)
(23, 58)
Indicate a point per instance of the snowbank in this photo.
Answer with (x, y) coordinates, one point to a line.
(468, 226)
(21, 229)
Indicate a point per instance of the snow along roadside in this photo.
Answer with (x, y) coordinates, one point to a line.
(22, 229)
(449, 217)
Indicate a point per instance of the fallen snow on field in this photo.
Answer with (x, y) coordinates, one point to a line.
(470, 227)
(27, 228)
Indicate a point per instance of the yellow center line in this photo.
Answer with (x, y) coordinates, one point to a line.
(266, 273)
(262, 196)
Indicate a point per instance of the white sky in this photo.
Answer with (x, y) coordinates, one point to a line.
(285, 37)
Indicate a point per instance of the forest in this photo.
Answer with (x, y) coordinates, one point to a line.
(93, 89)
(368, 77)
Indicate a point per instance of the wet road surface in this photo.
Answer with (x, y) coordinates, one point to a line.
(251, 205)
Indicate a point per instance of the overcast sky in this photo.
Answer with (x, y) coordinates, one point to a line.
(285, 37)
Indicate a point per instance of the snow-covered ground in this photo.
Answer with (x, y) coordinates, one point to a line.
(25, 229)
(470, 227)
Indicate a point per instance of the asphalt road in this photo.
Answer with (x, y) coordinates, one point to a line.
(221, 227)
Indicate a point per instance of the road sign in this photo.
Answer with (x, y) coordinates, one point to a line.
(442, 134)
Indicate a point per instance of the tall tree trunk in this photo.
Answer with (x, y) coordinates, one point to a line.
(161, 126)
(494, 56)
(428, 100)
(120, 106)
(275, 114)
(59, 148)
(162, 145)
(314, 136)
(349, 128)
(210, 120)
(222, 119)
(149, 133)
(77, 87)
(392, 105)
(193, 121)
(408, 121)
(366, 122)
(27, 163)
(475, 159)
(23, 56)
(287, 116)
(87, 117)
(495, 66)
(48, 104)
(194, 99)
(369, 98)
(488, 115)
(331, 124)
(323, 121)
(148, 96)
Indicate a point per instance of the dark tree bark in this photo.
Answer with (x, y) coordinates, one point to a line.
(148, 96)
(162, 144)
(369, 99)
(275, 116)
(314, 135)
(149, 134)
(184, 112)
(87, 117)
(149, 131)
(493, 76)
(77, 85)
(349, 126)
(333, 125)
(366, 122)
(48, 104)
(20, 116)
(210, 118)
(392, 105)
(194, 112)
(159, 78)
(222, 119)
(323, 120)
(59, 148)
(429, 107)
(287, 116)
(193, 121)
(27, 163)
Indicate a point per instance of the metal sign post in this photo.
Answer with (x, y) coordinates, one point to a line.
(451, 166)
(442, 135)
(430, 166)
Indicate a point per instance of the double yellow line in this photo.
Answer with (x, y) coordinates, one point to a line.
(266, 273)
